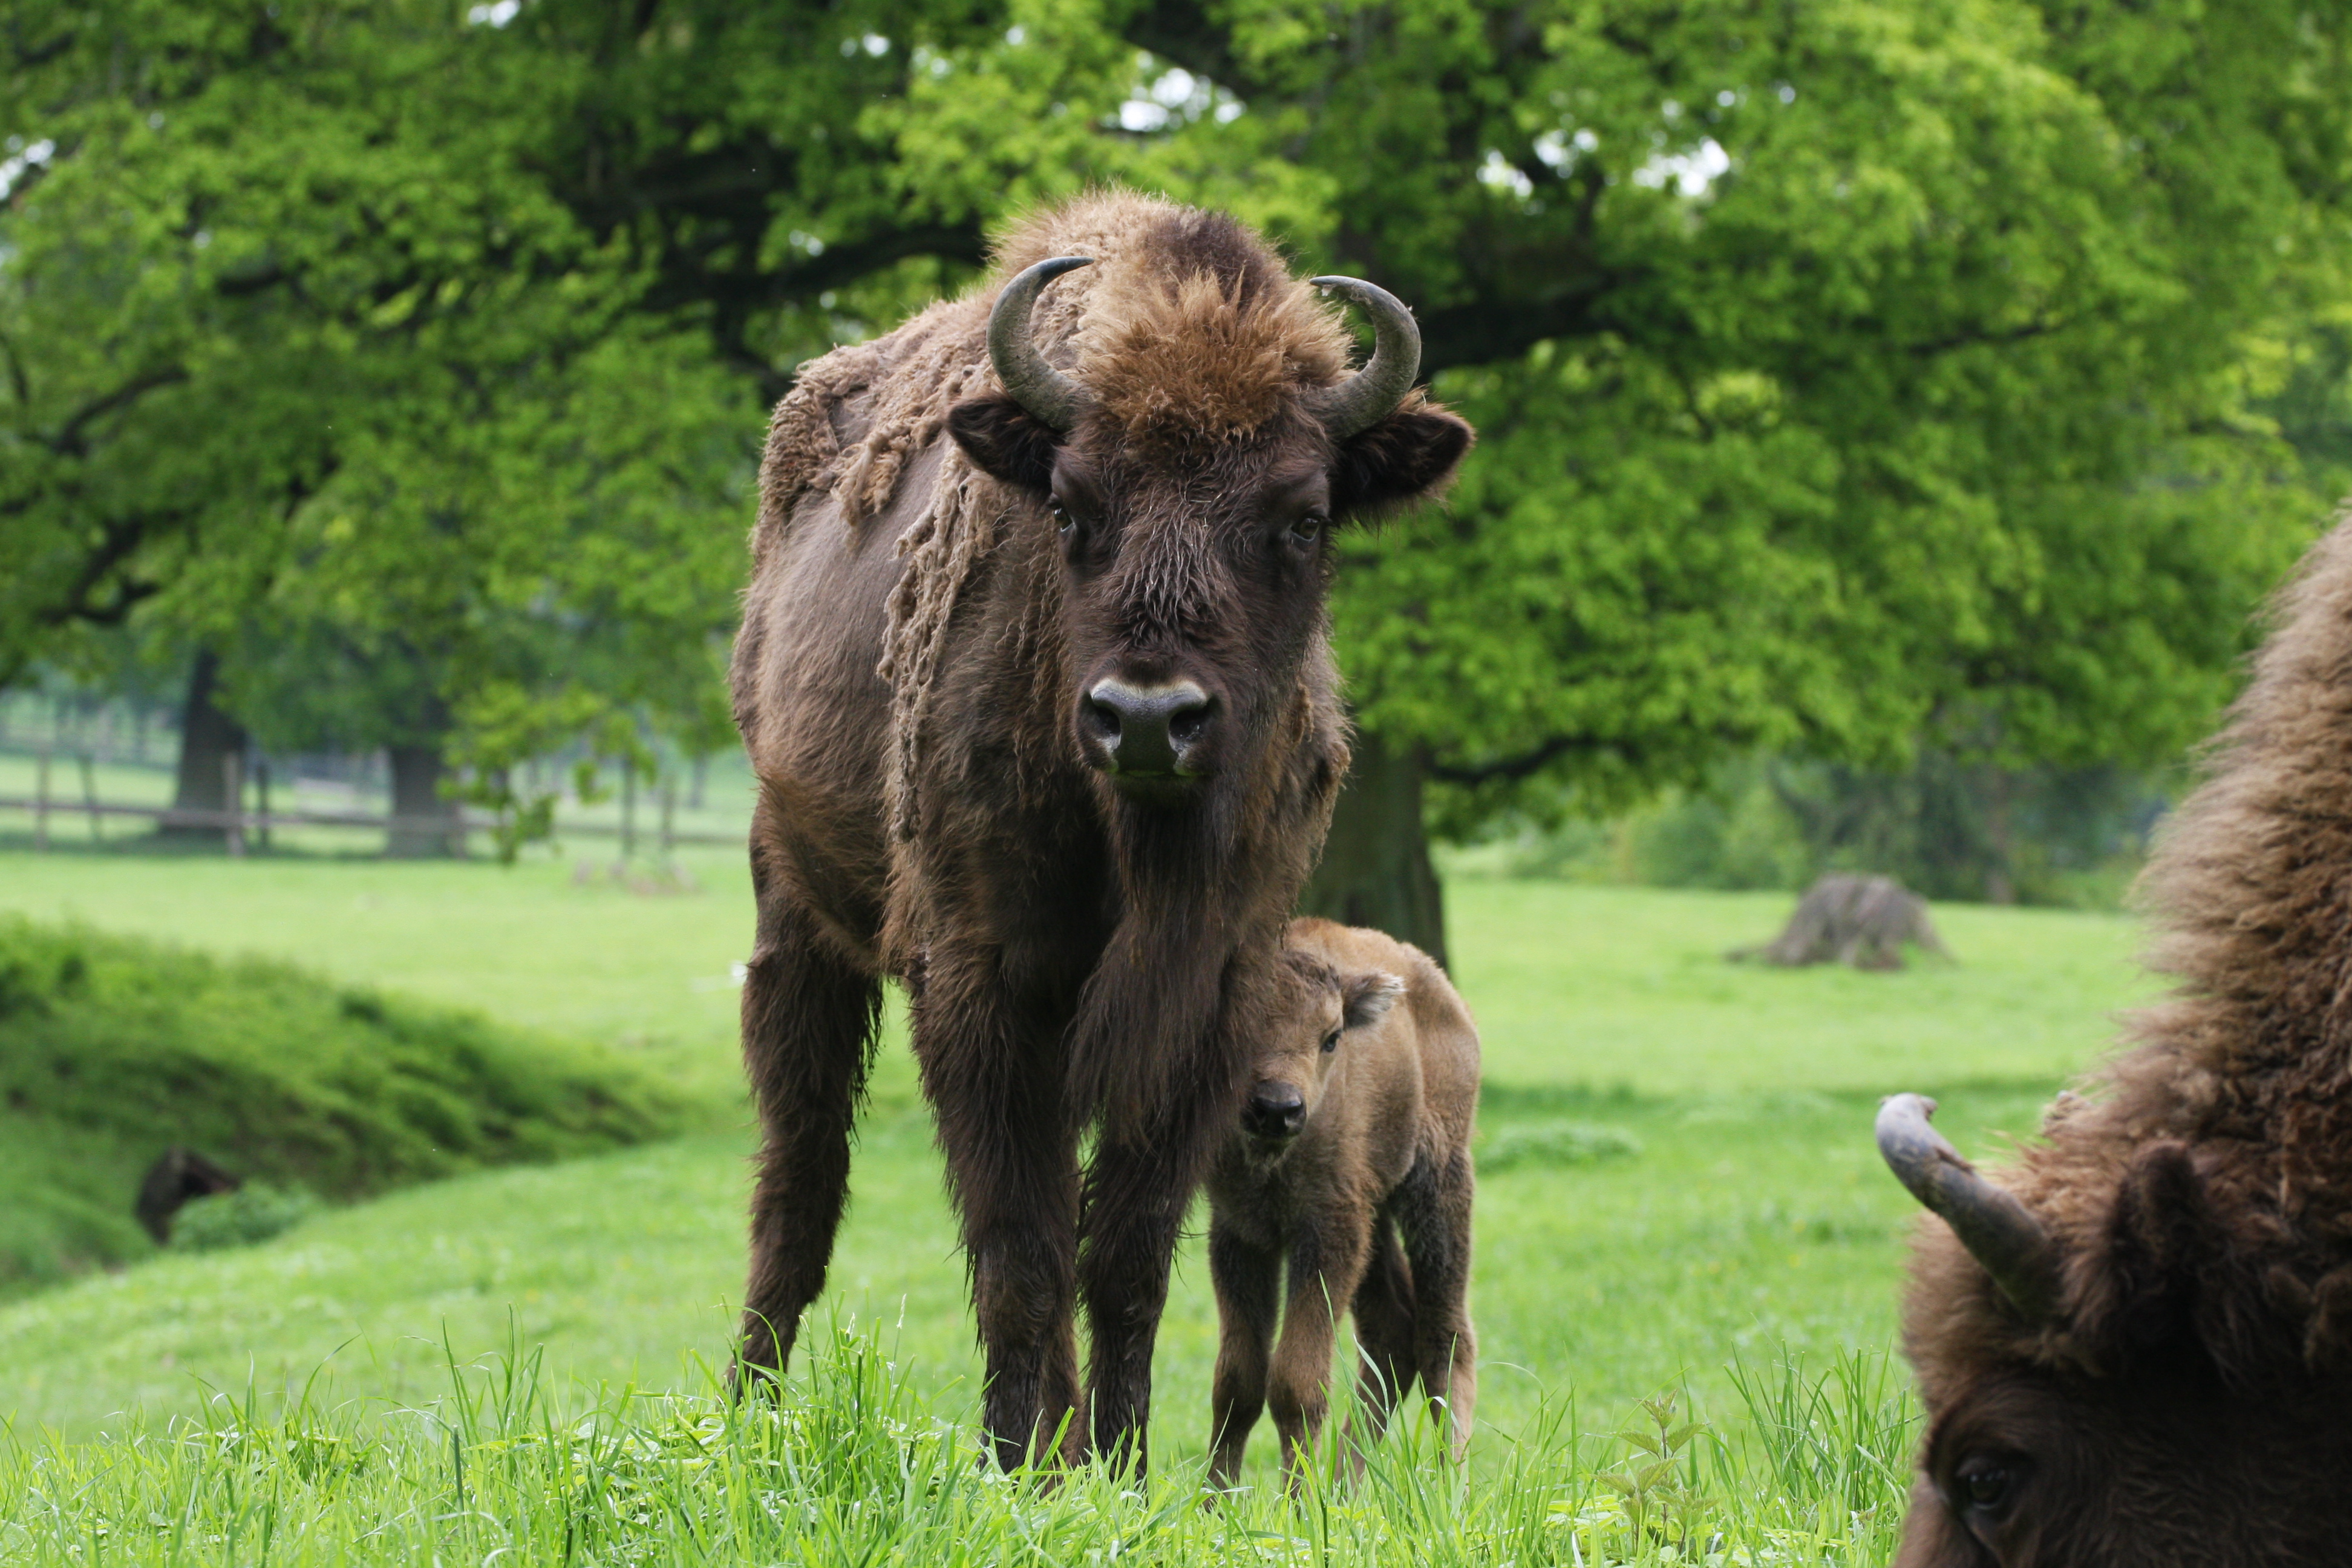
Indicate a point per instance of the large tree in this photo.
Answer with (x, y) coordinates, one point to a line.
(1851, 375)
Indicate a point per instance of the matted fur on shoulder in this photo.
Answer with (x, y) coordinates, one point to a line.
(2230, 1107)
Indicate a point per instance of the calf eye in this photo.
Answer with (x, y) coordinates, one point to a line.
(1308, 529)
(1332, 1041)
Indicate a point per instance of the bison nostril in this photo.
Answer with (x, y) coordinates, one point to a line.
(1145, 728)
(1275, 1110)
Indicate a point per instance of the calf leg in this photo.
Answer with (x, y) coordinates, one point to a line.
(1247, 1281)
(1432, 1209)
(1326, 1264)
(808, 1035)
(1384, 1311)
(992, 1074)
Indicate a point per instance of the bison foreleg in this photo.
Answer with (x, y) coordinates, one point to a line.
(993, 1075)
(808, 1031)
(1327, 1260)
(1248, 1281)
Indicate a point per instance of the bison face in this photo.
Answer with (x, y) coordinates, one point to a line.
(1306, 1041)
(1195, 559)
(2164, 1467)
(2148, 1391)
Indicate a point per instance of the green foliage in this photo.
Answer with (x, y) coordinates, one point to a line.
(113, 1049)
(1878, 376)
(254, 1212)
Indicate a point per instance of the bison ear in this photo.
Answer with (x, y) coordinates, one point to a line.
(1365, 999)
(2170, 1279)
(1408, 457)
(1006, 441)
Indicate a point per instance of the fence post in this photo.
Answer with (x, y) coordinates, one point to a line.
(668, 812)
(90, 797)
(41, 800)
(261, 803)
(628, 808)
(233, 798)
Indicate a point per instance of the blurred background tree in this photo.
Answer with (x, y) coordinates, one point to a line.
(1860, 383)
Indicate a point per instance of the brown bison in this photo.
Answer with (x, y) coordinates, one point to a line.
(1357, 1126)
(1035, 673)
(2136, 1348)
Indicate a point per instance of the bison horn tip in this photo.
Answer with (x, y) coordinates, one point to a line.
(2000, 1231)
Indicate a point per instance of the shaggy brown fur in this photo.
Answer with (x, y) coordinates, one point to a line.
(1358, 1127)
(918, 644)
(2189, 1400)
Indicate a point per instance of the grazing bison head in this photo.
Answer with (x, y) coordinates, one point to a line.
(2124, 1378)
(1304, 1041)
(1193, 465)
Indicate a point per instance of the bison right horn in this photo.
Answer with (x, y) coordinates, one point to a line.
(1999, 1231)
(1370, 395)
(1051, 399)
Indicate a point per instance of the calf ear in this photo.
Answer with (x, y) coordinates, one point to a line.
(1006, 441)
(1366, 999)
(1409, 456)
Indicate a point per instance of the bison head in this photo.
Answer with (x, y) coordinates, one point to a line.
(1302, 1044)
(2157, 1390)
(1194, 473)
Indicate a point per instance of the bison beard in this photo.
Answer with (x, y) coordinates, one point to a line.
(967, 606)
(2136, 1347)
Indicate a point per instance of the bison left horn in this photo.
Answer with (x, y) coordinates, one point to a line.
(1051, 399)
(1999, 1231)
(1367, 398)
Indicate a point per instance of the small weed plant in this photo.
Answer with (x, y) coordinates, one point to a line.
(850, 1466)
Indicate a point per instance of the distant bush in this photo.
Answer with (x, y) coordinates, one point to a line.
(255, 1212)
(112, 1049)
(1554, 1143)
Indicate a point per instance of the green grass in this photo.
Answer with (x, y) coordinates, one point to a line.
(1742, 1218)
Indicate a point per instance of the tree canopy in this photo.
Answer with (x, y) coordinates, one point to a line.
(1851, 375)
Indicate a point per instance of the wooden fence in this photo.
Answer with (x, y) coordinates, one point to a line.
(240, 827)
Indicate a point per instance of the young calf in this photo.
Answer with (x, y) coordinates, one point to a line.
(1357, 1127)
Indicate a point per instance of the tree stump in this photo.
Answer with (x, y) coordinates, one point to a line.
(1865, 921)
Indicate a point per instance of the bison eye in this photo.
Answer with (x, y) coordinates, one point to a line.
(1063, 521)
(1308, 529)
(1985, 1485)
(1332, 1041)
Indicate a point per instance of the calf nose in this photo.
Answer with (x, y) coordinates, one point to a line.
(1275, 1110)
(1145, 728)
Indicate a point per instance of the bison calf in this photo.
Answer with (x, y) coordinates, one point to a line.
(1357, 1128)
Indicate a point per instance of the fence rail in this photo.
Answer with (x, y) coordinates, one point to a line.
(235, 825)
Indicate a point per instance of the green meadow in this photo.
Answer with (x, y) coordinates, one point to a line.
(1684, 1204)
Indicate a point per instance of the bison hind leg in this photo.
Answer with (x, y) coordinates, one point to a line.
(809, 1024)
(1384, 1329)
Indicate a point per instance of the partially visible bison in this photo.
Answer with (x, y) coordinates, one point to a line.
(1357, 1127)
(2136, 1348)
(1034, 675)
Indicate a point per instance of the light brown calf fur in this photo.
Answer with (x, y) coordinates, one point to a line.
(1357, 1128)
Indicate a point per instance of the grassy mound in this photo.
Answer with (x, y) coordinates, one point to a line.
(113, 1049)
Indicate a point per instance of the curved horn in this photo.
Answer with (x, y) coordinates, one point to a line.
(1368, 396)
(1050, 396)
(1998, 1230)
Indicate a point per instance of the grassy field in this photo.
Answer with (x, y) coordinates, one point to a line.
(1743, 1220)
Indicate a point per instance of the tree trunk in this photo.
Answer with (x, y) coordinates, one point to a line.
(1375, 870)
(208, 738)
(416, 774)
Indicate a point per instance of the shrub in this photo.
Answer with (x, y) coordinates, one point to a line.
(1554, 1143)
(255, 1212)
(112, 1049)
